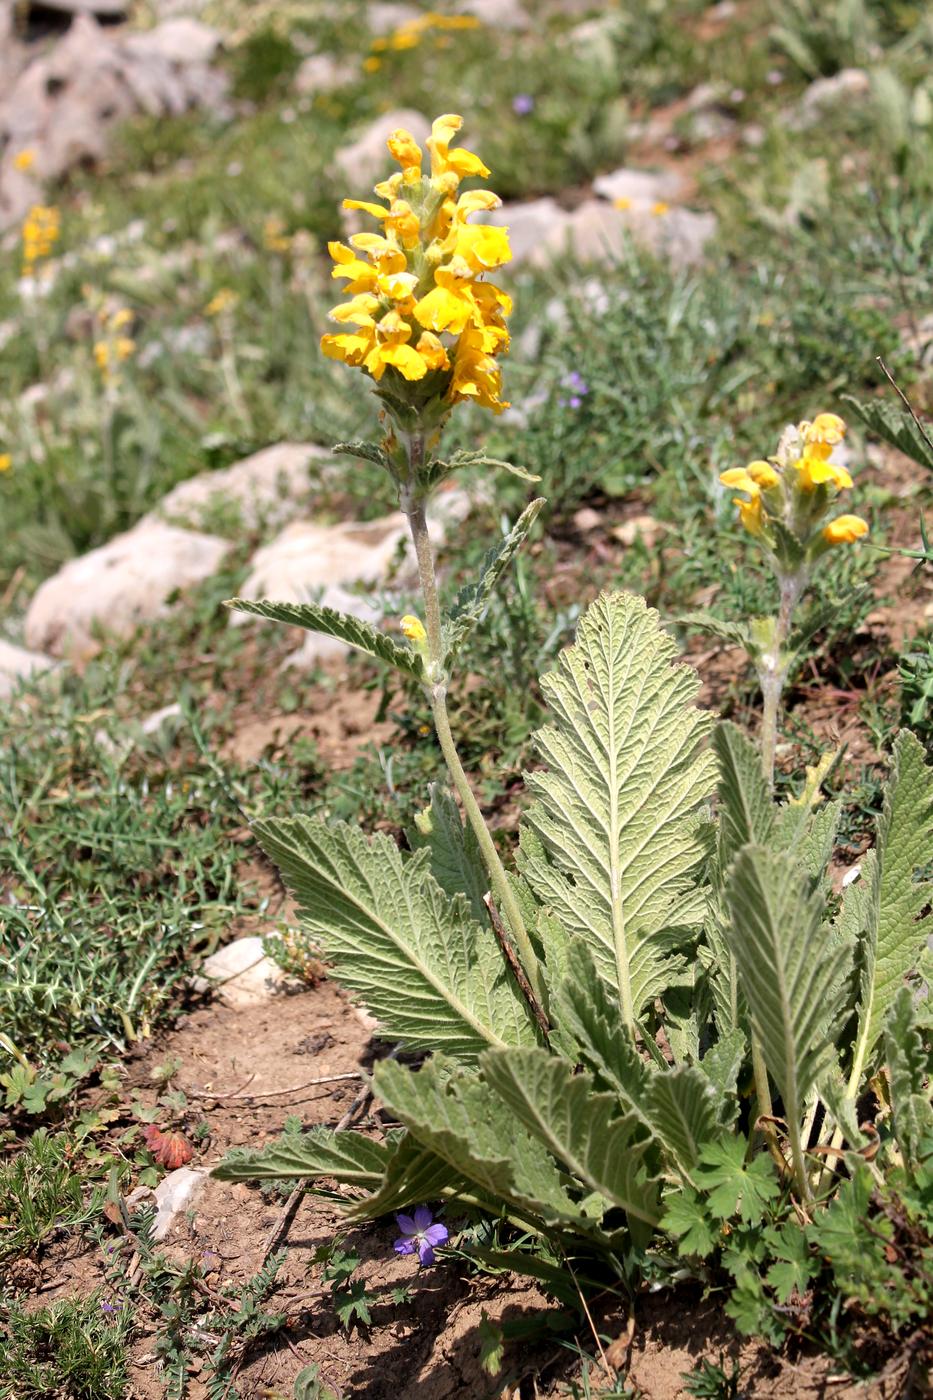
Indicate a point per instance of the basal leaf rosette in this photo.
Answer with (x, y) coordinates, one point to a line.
(423, 322)
(786, 500)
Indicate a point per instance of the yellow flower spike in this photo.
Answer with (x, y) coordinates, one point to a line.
(432, 351)
(124, 347)
(413, 628)
(622, 203)
(444, 161)
(6, 461)
(845, 529)
(367, 207)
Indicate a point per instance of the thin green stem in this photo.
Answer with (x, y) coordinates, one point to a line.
(412, 504)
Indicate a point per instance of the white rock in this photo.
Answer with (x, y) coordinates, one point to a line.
(321, 72)
(245, 975)
(175, 1194)
(154, 722)
(183, 40)
(119, 585)
(642, 187)
(16, 664)
(824, 92)
(105, 9)
(267, 488)
(385, 18)
(497, 14)
(363, 162)
(597, 232)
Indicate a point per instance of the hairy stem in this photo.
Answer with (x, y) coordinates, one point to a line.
(412, 504)
(772, 670)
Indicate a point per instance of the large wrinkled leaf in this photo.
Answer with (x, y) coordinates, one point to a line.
(456, 861)
(790, 973)
(747, 812)
(350, 1157)
(452, 1113)
(582, 1129)
(432, 975)
(895, 425)
(470, 603)
(616, 809)
(346, 628)
(896, 931)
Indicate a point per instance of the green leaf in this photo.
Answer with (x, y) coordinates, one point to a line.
(470, 603)
(747, 812)
(491, 1345)
(794, 1265)
(433, 977)
(350, 1157)
(897, 926)
(353, 1302)
(466, 458)
(413, 1173)
(686, 1217)
(452, 1112)
(616, 809)
(366, 451)
(309, 1385)
(734, 1186)
(346, 628)
(735, 633)
(582, 1129)
(910, 1062)
(790, 973)
(896, 426)
(456, 862)
(683, 1109)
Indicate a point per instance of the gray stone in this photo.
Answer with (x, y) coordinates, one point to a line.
(321, 72)
(367, 159)
(497, 14)
(65, 103)
(267, 488)
(386, 18)
(824, 92)
(597, 232)
(241, 974)
(528, 223)
(641, 187)
(176, 1194)
(18, 664)
(124, 582)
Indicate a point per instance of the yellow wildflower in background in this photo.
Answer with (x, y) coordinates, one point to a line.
(6, 461)
(224, 300)
(419, 304)
(274, 237)
(24, 160)
(40, 232)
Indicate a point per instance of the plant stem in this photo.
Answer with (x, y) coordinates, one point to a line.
(412, 504)
(772, 670)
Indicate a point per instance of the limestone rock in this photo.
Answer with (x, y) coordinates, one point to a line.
(67, 101)
(640, 187)
(125, 581)
(246, 976)
(321, 72)
(497, 14)
(596, 232)
(16, 664)
(266, 488)
(367, 159)
(175, 1194)
(529, 223)
(841, 87)
(384, 18)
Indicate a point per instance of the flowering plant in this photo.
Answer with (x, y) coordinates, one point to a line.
(591, 1019)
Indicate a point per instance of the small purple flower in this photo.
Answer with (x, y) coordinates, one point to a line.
(578, 387)
(108, 1308)
(523, 104)
(421, 1234)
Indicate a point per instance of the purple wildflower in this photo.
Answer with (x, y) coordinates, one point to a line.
(420, 1233)
(523, 104)
(108, 1308)
(578, 387)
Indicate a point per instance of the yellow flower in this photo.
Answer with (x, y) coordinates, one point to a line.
(623, 202)
(740, 479)
(224, 300)
(6, 461)
(817, 471)
(407, 38)
(102, 354)
(751, 513)
(660, 207)
(413, 628)
(845, 529)
(416, 290)
(826, 428)
(763, 475)
(24, 160)
(274, 237)
(40, 232)
(120, 318)
(372, 64)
